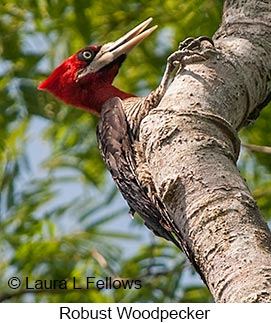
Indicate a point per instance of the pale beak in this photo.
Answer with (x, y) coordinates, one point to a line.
(111, 51)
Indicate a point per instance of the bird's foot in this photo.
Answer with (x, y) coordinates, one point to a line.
(194, 43)
(192, 49)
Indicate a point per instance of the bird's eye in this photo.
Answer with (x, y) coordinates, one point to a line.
(86, 55)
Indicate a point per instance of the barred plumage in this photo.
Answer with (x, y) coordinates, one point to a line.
(119, 150)
(117, 144)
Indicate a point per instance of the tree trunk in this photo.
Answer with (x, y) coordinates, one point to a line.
(192, 146)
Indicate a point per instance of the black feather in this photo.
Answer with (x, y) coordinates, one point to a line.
(116, 145)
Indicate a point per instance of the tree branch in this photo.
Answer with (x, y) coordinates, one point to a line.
(257, 148)
(191, 145)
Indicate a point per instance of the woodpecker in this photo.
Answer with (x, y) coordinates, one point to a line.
(85, 81)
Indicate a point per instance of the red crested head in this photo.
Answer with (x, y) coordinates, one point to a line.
(85, 78)
(88, 92)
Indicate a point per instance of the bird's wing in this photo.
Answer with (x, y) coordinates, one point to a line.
(116, 146)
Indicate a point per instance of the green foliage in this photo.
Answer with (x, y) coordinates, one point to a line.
(61, 216)
(256, 166)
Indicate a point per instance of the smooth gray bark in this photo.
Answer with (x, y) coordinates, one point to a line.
(191, 146)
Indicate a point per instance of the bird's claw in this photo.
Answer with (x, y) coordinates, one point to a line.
(190, 47)
(192, 43)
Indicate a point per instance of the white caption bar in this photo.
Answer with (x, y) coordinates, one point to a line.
(149, 313)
